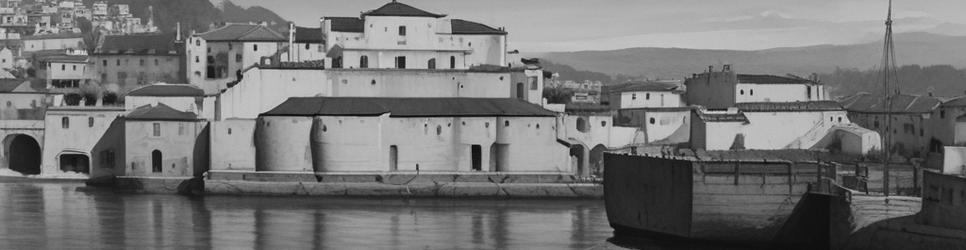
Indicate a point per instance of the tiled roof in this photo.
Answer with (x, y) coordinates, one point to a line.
(901, 104)
(170, 90)
(771, 79)
(9, 85)
(407, 107)
(347, 24)
(642, 86)
(243, 33)
(308, 35)
(463, 27)
(955, 102)
(400, 9)
(789, 106)
(140, 44)
(720, 117)
(160, 112)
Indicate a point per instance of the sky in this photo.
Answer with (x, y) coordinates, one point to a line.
(576, 25)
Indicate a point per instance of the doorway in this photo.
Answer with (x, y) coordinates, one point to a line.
(393, 158)
(477, 153)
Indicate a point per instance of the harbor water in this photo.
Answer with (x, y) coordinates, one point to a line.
(72, 216)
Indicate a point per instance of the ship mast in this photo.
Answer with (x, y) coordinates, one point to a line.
(890, 84)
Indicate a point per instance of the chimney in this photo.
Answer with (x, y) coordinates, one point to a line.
(291, 40)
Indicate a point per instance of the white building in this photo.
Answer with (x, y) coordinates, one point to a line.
(709, 89)
(400, 36)
(219, 56)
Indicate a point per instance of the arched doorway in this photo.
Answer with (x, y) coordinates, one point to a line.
(75, 162)
(23, 154)
(597, 160)
(577, 156)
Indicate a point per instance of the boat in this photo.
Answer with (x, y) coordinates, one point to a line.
(754, 202)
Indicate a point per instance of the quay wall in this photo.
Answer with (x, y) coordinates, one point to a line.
(450, 185)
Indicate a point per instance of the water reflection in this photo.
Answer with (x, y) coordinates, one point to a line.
(72, 216)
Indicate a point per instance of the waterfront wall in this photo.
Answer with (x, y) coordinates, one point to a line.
(444, 185)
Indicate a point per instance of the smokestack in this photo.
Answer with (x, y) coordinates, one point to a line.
(178, 35)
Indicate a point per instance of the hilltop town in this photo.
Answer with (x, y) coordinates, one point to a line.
(402, 101)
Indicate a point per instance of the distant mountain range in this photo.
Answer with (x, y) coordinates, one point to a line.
(911, 48)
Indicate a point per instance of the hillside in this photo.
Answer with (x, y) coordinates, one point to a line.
(197, 15)
(911, 48)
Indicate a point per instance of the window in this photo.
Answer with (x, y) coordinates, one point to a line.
(119, 62)
(652, 120)
(808, 92)
(197, 60)
(181, 129)
(90, 122)
(942, 114)
(602, 124)
(647, 96)
(156, 129)
(156, 161)
(633, 96)
(308, 46)
(107, 159)
(741, 92)
(364, 62)
(840, 119)
(105, 63)
(197, 42)
(533, 83)
(582, 125)
(402, 30)
(141, 62)
(254, 47)
(64, 67)
(155, 62)
(431, 64)
(65, 122)
(337, 62)
(751, 92)
(230, 46)
(238, 58)
(400, 62)
(452, 62)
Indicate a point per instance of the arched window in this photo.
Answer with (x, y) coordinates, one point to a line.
(431, 64)
(582, 125)
(308, 46)
(520, 91)
(363, 62)
(647, 96)
(156, 161)
(741, 92)
(65, 122)
(652, 120)
(452, 62)
(254, 47)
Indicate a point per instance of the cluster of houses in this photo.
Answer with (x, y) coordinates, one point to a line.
(396, 89)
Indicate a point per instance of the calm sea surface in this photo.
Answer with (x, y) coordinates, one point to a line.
(72, 216)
